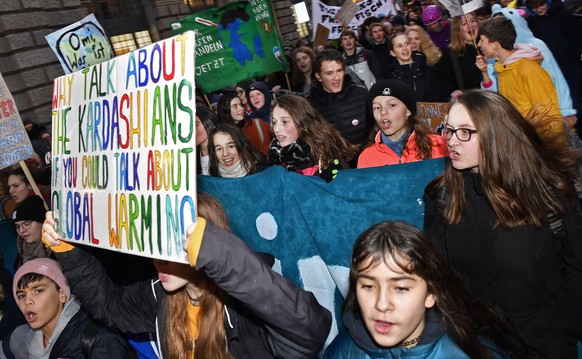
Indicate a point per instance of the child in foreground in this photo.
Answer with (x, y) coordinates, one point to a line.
(58, 325)
(404, 301)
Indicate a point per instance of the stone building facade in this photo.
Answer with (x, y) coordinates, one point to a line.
(29, 66)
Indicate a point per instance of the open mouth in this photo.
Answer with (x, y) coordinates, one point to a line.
(383, 327)
(30, 316)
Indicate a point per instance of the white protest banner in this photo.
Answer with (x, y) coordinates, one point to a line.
(325, 15)
(14, 142)
(81, 44)
(124, 151)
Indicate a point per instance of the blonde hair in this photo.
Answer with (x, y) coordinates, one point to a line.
(427, 46)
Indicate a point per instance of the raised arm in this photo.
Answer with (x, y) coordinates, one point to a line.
(128, 308)
(298, 325)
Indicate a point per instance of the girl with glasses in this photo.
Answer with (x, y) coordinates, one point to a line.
(504, 210)
(28, 220)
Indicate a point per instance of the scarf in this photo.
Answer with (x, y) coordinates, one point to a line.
(396, 146)
(235, 171)
(293, 157)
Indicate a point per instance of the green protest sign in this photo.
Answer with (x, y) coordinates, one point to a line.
(233, 43)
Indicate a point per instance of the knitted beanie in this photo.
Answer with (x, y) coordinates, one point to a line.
(32, 208)
(394, 88)
(48, 267)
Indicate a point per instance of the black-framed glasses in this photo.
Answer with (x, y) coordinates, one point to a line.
(463, 134)
(23, 225)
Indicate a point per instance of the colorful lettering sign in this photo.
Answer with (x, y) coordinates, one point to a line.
(124, 151)
(434, 113)
(326, 15)
(81, 44)
(233, 43)
(14, 142)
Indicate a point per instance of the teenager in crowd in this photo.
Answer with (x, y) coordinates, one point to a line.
(230, 110)
(18, 186)
(28, 220)
(59, 327)
(398, 136)
(231, 155)
(504, 210)
(303, 59)
(259, 97)
(305, 142)
(215, 310)
(405, 301)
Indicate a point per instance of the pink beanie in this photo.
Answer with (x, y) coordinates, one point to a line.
(47, 267)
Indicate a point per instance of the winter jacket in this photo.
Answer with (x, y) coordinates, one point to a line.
(354, 342)
(292, 325)
(11, 317)
(549, 63)
(378, 154)
(345, 110)
(532, 276)
(527, 85)
(67, 338)
(415, 74)
(258, 133)
(381, 58)
(470, 75)
(361, 64)
(264, 112)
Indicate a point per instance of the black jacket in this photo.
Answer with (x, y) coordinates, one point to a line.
(345, 110)
(534, 278)
(106, 343)
(293, 325)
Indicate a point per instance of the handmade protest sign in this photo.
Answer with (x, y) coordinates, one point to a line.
(233, 43)
(124, 151)
(434, 113)
(326, 15)
(15, 145)
(81, 44)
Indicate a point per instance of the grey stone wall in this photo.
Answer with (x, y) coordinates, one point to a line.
(27, 63)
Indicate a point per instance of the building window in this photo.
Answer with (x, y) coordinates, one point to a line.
(302, 28)
(128, 42)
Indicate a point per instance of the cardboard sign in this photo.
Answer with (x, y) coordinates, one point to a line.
(15, 145)
(347, 12)
(81, 44)
(321, 36)
(124, 151)
(434, 113)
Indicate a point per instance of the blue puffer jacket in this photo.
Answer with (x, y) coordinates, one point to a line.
(354, 342)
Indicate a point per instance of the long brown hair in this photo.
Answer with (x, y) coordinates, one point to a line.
(524, 167)
(298, 79)
(326, 143)
(458, 44)
(415, 253)
(211, 341)
(427, 46)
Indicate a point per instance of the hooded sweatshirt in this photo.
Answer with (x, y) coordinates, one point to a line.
(527, 85)
(354, 342)
(263, 112)
(549, 63)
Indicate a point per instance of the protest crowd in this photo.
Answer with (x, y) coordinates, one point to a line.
(495, 272)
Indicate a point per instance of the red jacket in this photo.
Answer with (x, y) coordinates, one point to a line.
(378, 154)
(251, 131)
